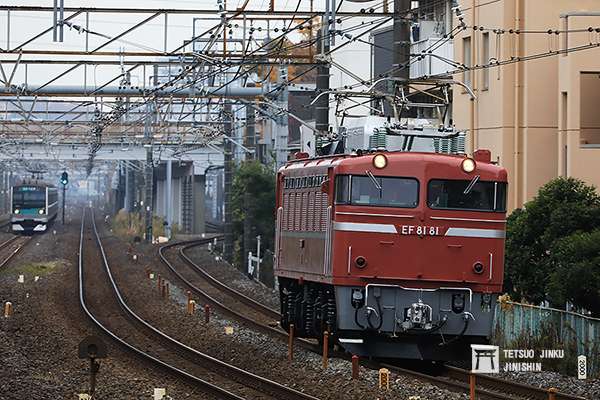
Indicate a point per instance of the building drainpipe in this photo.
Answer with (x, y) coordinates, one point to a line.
(474, 102)
(516, 178)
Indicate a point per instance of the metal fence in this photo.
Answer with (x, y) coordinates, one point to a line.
(518, 324)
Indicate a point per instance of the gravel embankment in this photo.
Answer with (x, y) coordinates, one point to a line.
(38, 351)
(246, 348)
(588, 389)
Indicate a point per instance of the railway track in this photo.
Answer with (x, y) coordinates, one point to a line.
(11, 247)
(488, 387)
(245, 310)
(512, 389)
(226, 381)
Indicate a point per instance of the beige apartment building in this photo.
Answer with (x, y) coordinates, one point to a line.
(541, 117)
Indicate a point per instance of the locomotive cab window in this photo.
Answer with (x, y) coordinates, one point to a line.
(378, 191)
(472, 195)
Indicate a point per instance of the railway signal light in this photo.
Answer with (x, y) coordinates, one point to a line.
(64, 178)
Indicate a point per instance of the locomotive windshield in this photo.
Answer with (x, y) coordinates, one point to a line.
(480, 196)
(377, 191)
(29, 197)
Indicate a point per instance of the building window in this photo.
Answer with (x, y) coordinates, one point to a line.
(485, 60)
(467, 61)
(589, 117)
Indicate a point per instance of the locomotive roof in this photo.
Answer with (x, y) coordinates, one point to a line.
(34, 184)
(344, 163)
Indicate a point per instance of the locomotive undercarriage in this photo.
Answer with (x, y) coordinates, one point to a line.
(309, 306)
(389, 320)
(393, 321)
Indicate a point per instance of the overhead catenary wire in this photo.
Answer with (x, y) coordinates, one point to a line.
(220, 66)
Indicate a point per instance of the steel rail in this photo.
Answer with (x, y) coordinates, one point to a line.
(24, 240)
(9, 241)
(488, 386)
(247, 378)
(513, 388)
(269, 330)
(267, 311)
(209, 387)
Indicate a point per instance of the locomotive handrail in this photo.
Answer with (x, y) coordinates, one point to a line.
(417, 290)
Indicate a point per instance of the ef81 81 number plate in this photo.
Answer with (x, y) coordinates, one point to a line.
(421, 230)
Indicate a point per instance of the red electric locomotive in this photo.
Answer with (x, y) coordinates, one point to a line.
(396, 254)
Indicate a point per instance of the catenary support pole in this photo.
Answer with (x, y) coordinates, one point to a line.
(168, 199)
(322, 84)
(148, 172)
(401, 34)
(228, 177)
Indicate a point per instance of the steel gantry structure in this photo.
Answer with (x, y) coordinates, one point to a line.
(105, 77)
(152, 85)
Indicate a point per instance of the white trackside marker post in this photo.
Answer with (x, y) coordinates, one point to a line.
(582, 367)
(8, 309)
(159, 393)
(254, 262)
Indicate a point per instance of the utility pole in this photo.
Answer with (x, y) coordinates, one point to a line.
(228, 178)
(401, 53)
(250, 131)
(64, 181)
(250, 136)
(322, 104)
(249, 143)
(148, 170)
(64, 199)
(281, 131)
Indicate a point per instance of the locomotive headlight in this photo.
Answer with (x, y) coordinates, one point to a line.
(468, 165)
(458, 303)
(41, 212)
(380, 161)
(17, 211)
